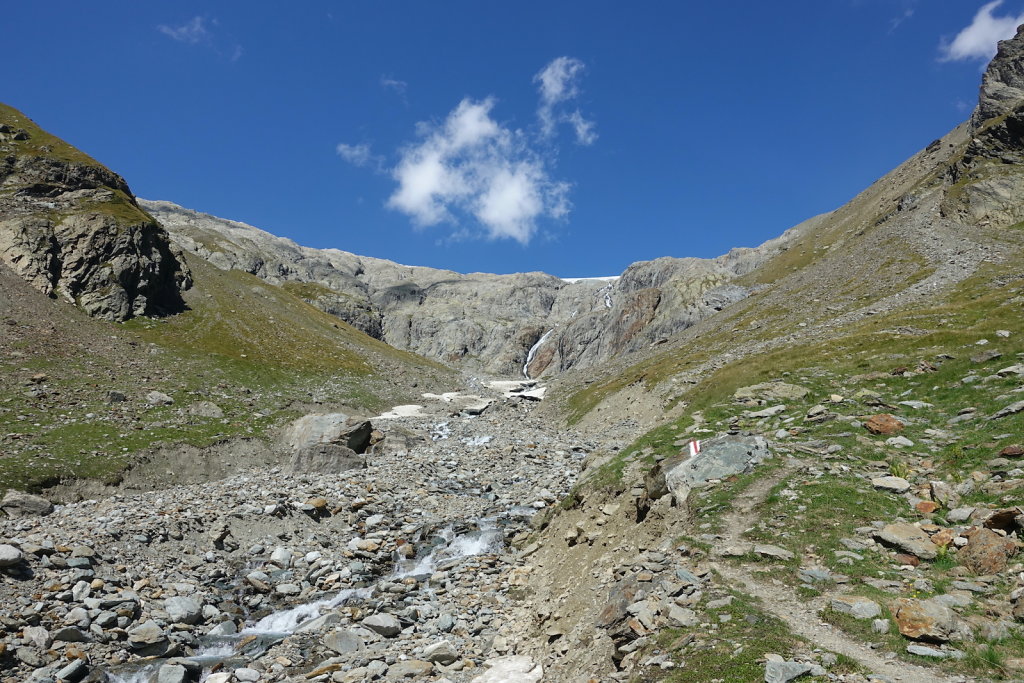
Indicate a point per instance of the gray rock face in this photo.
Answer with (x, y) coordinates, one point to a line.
(982, 186)
(331, 428)
(480, 321)
(1002, 85)
(325, 458)
(718, 458)
(72, 229)
(18, 504)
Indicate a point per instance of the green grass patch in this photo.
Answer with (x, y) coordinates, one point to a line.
(734, 648)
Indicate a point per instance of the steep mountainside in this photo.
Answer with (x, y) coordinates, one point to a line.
(72, 228)
(481, 322)
(947, 214)
(90, 400)
(871, 390)
(801, 461)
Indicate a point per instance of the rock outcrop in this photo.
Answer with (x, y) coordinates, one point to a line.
(478, 321)
(72, 229)
(984, 185)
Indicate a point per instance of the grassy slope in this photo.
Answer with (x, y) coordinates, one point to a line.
(255, 350)
(41, 143)
(258, 351)
(850, 260)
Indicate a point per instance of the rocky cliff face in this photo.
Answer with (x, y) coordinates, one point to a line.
(480, 322)
(985, 181)
(71, 228)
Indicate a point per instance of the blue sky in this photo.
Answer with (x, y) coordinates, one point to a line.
(569, 137)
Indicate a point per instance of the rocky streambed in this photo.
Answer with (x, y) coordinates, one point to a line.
(395, 570)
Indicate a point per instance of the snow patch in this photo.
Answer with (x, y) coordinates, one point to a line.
(410, 410)
(604, 278)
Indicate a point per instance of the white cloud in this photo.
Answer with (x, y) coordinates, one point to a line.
(895, 22)
(471, 164)
(558, 79)
(192, 31)
(357, 155)
(559, 83)
(979, 39)
(584, 128)
(389, 83)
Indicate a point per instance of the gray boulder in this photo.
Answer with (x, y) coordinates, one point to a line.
(783, 672)
(73, 672)
(857, 607)
(718, 458)
(18, 504)
(908, 538)
(148, 639)
(182, 610)
(206, 409)
(172, 673)
(384, 624)
(330, 428)
(325, 458)
(344, 641)
(9, 555)
(441, 653)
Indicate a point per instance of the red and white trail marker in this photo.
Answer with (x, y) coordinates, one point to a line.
(694, 447)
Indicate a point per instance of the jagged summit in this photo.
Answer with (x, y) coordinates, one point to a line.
(1002, 85)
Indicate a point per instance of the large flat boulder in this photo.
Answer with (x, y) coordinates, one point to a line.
(18, 504)
(329, 428)
(908, 538)
(720, 457)
(325, 458)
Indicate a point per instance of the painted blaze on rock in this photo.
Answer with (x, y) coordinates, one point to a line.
(718, 458)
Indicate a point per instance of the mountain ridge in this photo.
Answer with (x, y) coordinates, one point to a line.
(389, 300)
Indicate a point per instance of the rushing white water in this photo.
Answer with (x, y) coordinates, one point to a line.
(477, 441)
(144, 675)
(287, 621)
(607, 289)
(533, 352)
(441, 430)
(487, 540)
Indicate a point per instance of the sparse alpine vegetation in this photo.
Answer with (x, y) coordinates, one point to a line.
(803, 461)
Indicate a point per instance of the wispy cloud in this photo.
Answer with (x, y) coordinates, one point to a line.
(979, 39)
(192, 31)
(359, 155)
(389, 83)
(896, 21)
(473, 164)
(558, 83)
(200, 31)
